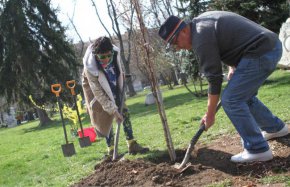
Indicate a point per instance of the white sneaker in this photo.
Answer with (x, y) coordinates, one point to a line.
(283, 132)
(245, 156)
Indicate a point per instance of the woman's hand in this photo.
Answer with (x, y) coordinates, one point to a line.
(118, 117)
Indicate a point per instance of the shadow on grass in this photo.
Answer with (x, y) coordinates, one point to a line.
(169, 102)
(57, 123)
(277, 82)
(52, 124)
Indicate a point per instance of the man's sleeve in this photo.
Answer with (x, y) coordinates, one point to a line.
(211, 66)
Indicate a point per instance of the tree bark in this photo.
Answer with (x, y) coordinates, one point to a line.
(154, 85)
(43, 117)
(30, 116)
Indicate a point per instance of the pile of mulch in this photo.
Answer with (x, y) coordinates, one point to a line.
(212, 165)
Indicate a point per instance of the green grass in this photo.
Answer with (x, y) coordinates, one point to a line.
(32, 156)
(224, 183)
(276, 179)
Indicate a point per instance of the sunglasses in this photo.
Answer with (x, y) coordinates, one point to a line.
(102, 57)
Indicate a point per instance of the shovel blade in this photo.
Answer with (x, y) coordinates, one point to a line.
(181, 168)
(85, 141)
(68, 149)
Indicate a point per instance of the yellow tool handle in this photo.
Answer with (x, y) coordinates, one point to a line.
(56, 89)
(71, 85)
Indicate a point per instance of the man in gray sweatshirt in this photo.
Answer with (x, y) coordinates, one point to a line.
(252, 53)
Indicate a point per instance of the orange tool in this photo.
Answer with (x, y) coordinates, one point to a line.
(68, 149)
(84, 141)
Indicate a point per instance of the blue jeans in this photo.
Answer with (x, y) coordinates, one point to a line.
(246, 112)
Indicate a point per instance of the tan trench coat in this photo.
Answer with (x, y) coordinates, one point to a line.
(98, 95)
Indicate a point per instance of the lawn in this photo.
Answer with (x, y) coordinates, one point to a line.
(32, 156)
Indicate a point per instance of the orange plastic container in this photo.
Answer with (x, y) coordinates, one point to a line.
(90, 132)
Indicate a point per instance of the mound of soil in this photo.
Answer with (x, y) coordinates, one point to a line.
(212, 165)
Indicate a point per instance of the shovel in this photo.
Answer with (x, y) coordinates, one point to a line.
(83, 141)
(120, 109)
(68, 149)
(192, 143)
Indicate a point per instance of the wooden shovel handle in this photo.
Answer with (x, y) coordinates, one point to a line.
(56, 89)
(71, 85)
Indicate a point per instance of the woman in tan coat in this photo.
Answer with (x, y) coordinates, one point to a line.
(102, 85)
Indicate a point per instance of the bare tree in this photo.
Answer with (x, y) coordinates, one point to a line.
(81, 40)
(154, 14)
(154, 86)
(163, 7)
(71, 20)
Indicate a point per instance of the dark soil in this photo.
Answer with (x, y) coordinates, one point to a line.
(211, 166)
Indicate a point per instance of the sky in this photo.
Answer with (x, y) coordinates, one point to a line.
(85, 18)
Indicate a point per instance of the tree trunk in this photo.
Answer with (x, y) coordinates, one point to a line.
(174, 76)
(1, 118)
(154, 85)
(166, 81)
(129, 81)
(30, 116)
(43, 117)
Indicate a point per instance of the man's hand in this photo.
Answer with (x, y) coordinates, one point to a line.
(118, 117)
(208, 120)
(209, 117)
(231, 72)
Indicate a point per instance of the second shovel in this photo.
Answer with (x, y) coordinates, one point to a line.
(68, 149)
(84, 141)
